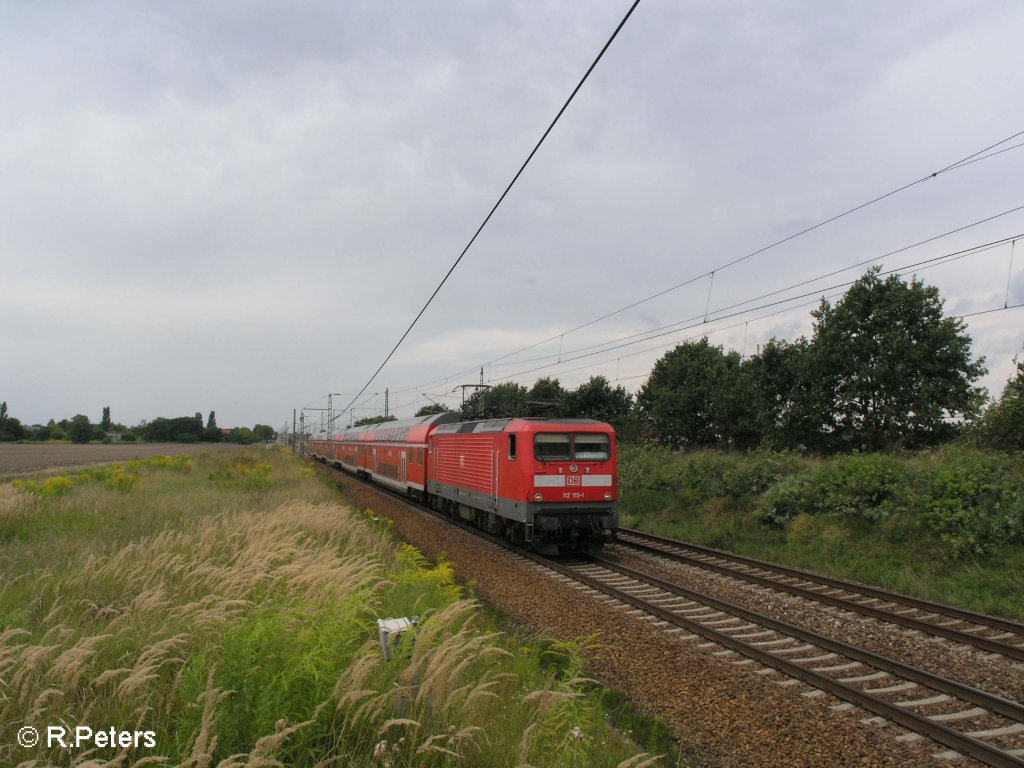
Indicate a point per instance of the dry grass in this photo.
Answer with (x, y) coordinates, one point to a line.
(110, 627)
(15, 503)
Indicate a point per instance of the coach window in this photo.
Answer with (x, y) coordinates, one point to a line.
(512, 447)
(591, 447)
(549, 446)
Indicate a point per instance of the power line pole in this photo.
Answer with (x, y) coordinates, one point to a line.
(294, 439)
(386, 391)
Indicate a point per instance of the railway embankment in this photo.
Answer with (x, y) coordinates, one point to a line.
(945, 525)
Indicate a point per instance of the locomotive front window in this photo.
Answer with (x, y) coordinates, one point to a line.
(549, 446)
(591, 446)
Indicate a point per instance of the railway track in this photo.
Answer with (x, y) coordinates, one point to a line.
(966, 720)
(988, 633)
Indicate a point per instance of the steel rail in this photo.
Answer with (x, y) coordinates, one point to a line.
(1005, 707)
(982, 619)
(943, 734)
(846, 604)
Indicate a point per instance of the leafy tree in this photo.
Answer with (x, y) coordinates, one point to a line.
(597, 399)
(105, 422)
(184, 429)
(263, 433)
(691, 399)
(546, 398)
(734, 407)
(10, 427)
(81, 430)
(779, 382)
(432, 408)
(889, 370)
(1002, 426)
(212, 433)
(373, 420)
(242, 436)
(499, 401)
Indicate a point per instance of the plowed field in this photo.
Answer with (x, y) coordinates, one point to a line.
(25, 459)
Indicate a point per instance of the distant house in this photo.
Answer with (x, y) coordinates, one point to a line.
(114, 437)
(225, 434)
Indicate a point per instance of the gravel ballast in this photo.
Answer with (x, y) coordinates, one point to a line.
(966, 664)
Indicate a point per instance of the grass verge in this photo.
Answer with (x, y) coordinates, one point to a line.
(227, 605)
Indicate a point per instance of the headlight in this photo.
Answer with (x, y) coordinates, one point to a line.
(607, 496)
(538, 497)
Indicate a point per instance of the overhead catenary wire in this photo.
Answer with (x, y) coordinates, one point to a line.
(500, 199)
(1009, 273)
(696, 319)
(702, 333)
(706, 332)
(874, 259)
(963, 162)
(989, 311)
(640, 334)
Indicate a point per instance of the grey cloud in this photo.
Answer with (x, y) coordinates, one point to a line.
(210, 190)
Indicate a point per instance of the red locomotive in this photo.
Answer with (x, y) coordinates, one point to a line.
(548, 483)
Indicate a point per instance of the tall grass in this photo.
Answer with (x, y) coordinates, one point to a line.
(237, 621)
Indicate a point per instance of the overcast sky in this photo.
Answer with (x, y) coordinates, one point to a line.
(240, 206)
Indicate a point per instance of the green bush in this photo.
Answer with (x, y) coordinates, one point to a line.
(974, 501)
(865, 486)
(959, 501)
(870, 486)
(758, 471)
(787, 499)
(708, 473)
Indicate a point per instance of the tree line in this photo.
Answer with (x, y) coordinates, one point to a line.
(183, 429)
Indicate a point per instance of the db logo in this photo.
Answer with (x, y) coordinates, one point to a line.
(574, 480)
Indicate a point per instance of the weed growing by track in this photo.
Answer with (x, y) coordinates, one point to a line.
(228, 604)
